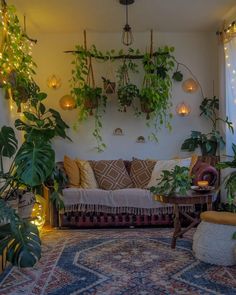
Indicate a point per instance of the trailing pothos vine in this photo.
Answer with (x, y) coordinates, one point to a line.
(154, 95)
(90, 99)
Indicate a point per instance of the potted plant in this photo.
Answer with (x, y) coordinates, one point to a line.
(176, 181)
(229, 181)
(155, 93)
(208, 142)
(127, 91)
(90, 99)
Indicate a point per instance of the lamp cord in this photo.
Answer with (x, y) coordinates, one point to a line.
(127, 12)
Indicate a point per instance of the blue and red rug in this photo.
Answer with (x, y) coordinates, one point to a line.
(118, 262)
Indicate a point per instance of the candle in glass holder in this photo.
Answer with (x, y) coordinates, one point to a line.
(202, 183)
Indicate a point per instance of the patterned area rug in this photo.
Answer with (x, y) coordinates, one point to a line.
(117, 262)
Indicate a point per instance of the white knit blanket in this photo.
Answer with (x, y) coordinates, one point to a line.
(131, 200)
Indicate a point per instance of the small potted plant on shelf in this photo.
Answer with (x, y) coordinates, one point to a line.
(176, 181)
(208, 142)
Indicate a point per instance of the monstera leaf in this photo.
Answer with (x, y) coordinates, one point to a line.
(20, 237)
(34, 162)
(8, 142)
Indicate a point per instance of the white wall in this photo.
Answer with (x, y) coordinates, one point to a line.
(197, 51)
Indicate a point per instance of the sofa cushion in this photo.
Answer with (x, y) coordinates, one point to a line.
(72, 171)
(166, 165)
(111, 174)
(141, 171)
(87, 176)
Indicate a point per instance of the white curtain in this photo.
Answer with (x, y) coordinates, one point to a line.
(230, 81)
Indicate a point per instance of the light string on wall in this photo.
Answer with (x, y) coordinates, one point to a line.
(227, 33)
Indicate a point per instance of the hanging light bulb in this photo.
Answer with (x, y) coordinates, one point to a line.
(127, 35)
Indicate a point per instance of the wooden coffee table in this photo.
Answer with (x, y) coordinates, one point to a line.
(191, 198)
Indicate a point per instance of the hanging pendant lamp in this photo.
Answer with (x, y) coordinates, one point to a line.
(127, 35)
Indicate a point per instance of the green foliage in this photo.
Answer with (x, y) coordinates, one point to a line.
(230, 180)
(21, 237)
(175, 181)
(34, 162)
(41, 125)
(8, 144)
(126, 94)
(16, 63)
(127, 91)
(156, 91)
(177, 76)
(210, 141)
(88, 97)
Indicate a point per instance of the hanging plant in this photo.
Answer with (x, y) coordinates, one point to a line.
(16, 64)
(90, 99)
(127, 91)
(155, 94)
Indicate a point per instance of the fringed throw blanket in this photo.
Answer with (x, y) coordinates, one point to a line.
(131, 201)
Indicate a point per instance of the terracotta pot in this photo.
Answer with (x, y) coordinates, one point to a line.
(90, 104)
(145, 108)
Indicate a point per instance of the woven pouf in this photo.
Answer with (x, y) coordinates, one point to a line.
(212, 241)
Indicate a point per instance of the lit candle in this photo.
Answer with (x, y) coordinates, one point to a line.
(202, 183)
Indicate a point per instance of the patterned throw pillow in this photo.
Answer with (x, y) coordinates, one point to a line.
(141, 171)
(111, 174)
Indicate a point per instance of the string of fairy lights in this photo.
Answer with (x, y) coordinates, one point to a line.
(231, 68)
(15, 50)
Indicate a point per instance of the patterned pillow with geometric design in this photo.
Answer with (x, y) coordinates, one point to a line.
(141, 171)
(111, 174)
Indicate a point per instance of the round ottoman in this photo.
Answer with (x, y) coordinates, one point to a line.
(213, 240)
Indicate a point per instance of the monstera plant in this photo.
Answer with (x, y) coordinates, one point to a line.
(33, 163)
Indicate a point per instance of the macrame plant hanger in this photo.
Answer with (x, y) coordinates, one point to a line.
(109, 84)
(90, 81)
(146, 83)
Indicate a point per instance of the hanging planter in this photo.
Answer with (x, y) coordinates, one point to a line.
(127, 91)
(89, 98)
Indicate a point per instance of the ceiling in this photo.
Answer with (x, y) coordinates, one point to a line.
(68, 16)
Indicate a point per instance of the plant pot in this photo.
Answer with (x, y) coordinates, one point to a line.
(109, 87)
(213, 148)
(90, 104)
(145, 108)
